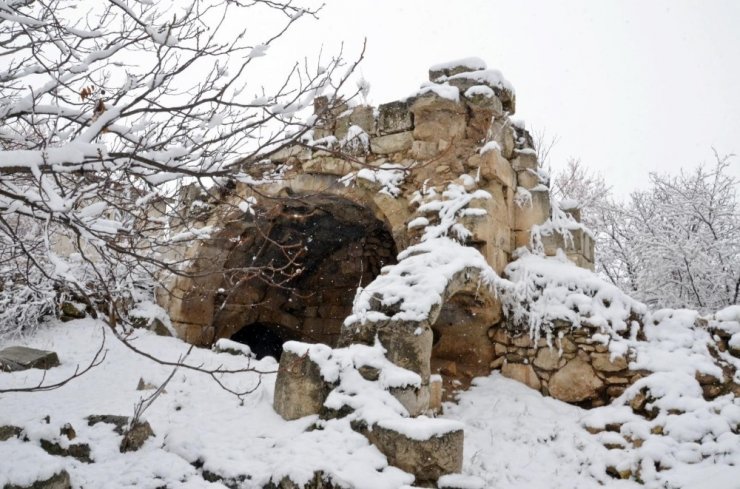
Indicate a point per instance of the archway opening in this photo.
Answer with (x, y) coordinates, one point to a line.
(317, 250)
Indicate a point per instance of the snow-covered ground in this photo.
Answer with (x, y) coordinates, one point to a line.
(514, 437)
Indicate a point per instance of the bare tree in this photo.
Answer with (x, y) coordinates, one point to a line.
(106, 110)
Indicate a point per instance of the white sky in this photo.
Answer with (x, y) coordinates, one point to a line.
(628, 86)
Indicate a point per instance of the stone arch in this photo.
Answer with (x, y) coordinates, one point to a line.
(348, 240)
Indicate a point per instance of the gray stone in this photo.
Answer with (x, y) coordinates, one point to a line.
(135, 436)
(57, 481)
(300, 390)
(394, 117)
(415, 400)
(392, 143)
(7, 432)
(427, 460)
(15, 358)
(119, 422)
(80, 451)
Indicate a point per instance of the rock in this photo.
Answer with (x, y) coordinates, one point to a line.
(603, 362)
(57, 481)
(15, 358)
(394, 117)
(392, 143)
(534, 213)
(300, 390)
(415, 400)
(70, 311)
(68, 431)
(437, 118)
(547, 359)
(8, 431)
(575, 382)
(426, 459)
(435, 394)
(363, 117)
(135, 436)
(80, 451)
(524, 160)
(119, 422)
(523, 373)
(328, 165)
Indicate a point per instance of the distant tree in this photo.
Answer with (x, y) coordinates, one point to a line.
(676, 244)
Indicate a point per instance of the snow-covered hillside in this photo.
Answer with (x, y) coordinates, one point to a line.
(206, 437)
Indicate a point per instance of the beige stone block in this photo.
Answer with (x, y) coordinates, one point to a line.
(299, 388)
(523, 373)
(427, 460)
(437, 118)
(329, 165)
(527, 179)
(494, 166)
(575, 382)
(364, 117)
(392, 143)
(604, 363)
(536, 212)
(547, 359)
(435, 394)
(424, 150)
(415, 400)
(524, 160)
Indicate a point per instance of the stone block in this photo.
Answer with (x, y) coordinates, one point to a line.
(15, 358)
(456, 67)
(522, 372)
(493, 166)
(392, 143)
(437, 118)
(502, 132)
(328, 165)
(535, 212)
(408, 345)
(415, 400)
(604, 363)
(426, 457)
(300, 390)
(285, 154)
(575, 382)
(435, 394)
(547, 359)
(524, 160)
(527, 179)
(394, 117)
(364, 117)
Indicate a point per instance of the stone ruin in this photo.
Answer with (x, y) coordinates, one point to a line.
(362, 200)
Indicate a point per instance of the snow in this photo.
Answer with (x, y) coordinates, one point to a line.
(490, 146)
(389, 176)
(442, 90)
(479, 90)
(474, 63)
(492, 78)
(422, 427)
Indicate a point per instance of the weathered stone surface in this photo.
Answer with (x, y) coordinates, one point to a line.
(57, 481)
(603, 362)
(428, 459)
(527, 179)
(15, 358)
(437, 118)
(392, 143)
(547, 358)
(328, 165)
(394, 117)
(435, 394)
(408, 345)
(415, 400)
(523, 373)
(530, 214)
(71, 311)
(135, 436)
(300, 390)
(283, 155)
(524, 160)
(575, 382)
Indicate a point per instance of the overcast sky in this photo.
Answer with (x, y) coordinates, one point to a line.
(627, 86)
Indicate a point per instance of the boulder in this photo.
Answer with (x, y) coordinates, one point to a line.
(15, 358)
(300, 390)
(135, 436)
(57, 481)
(522, 372)
(428, 448)
(575, 382)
